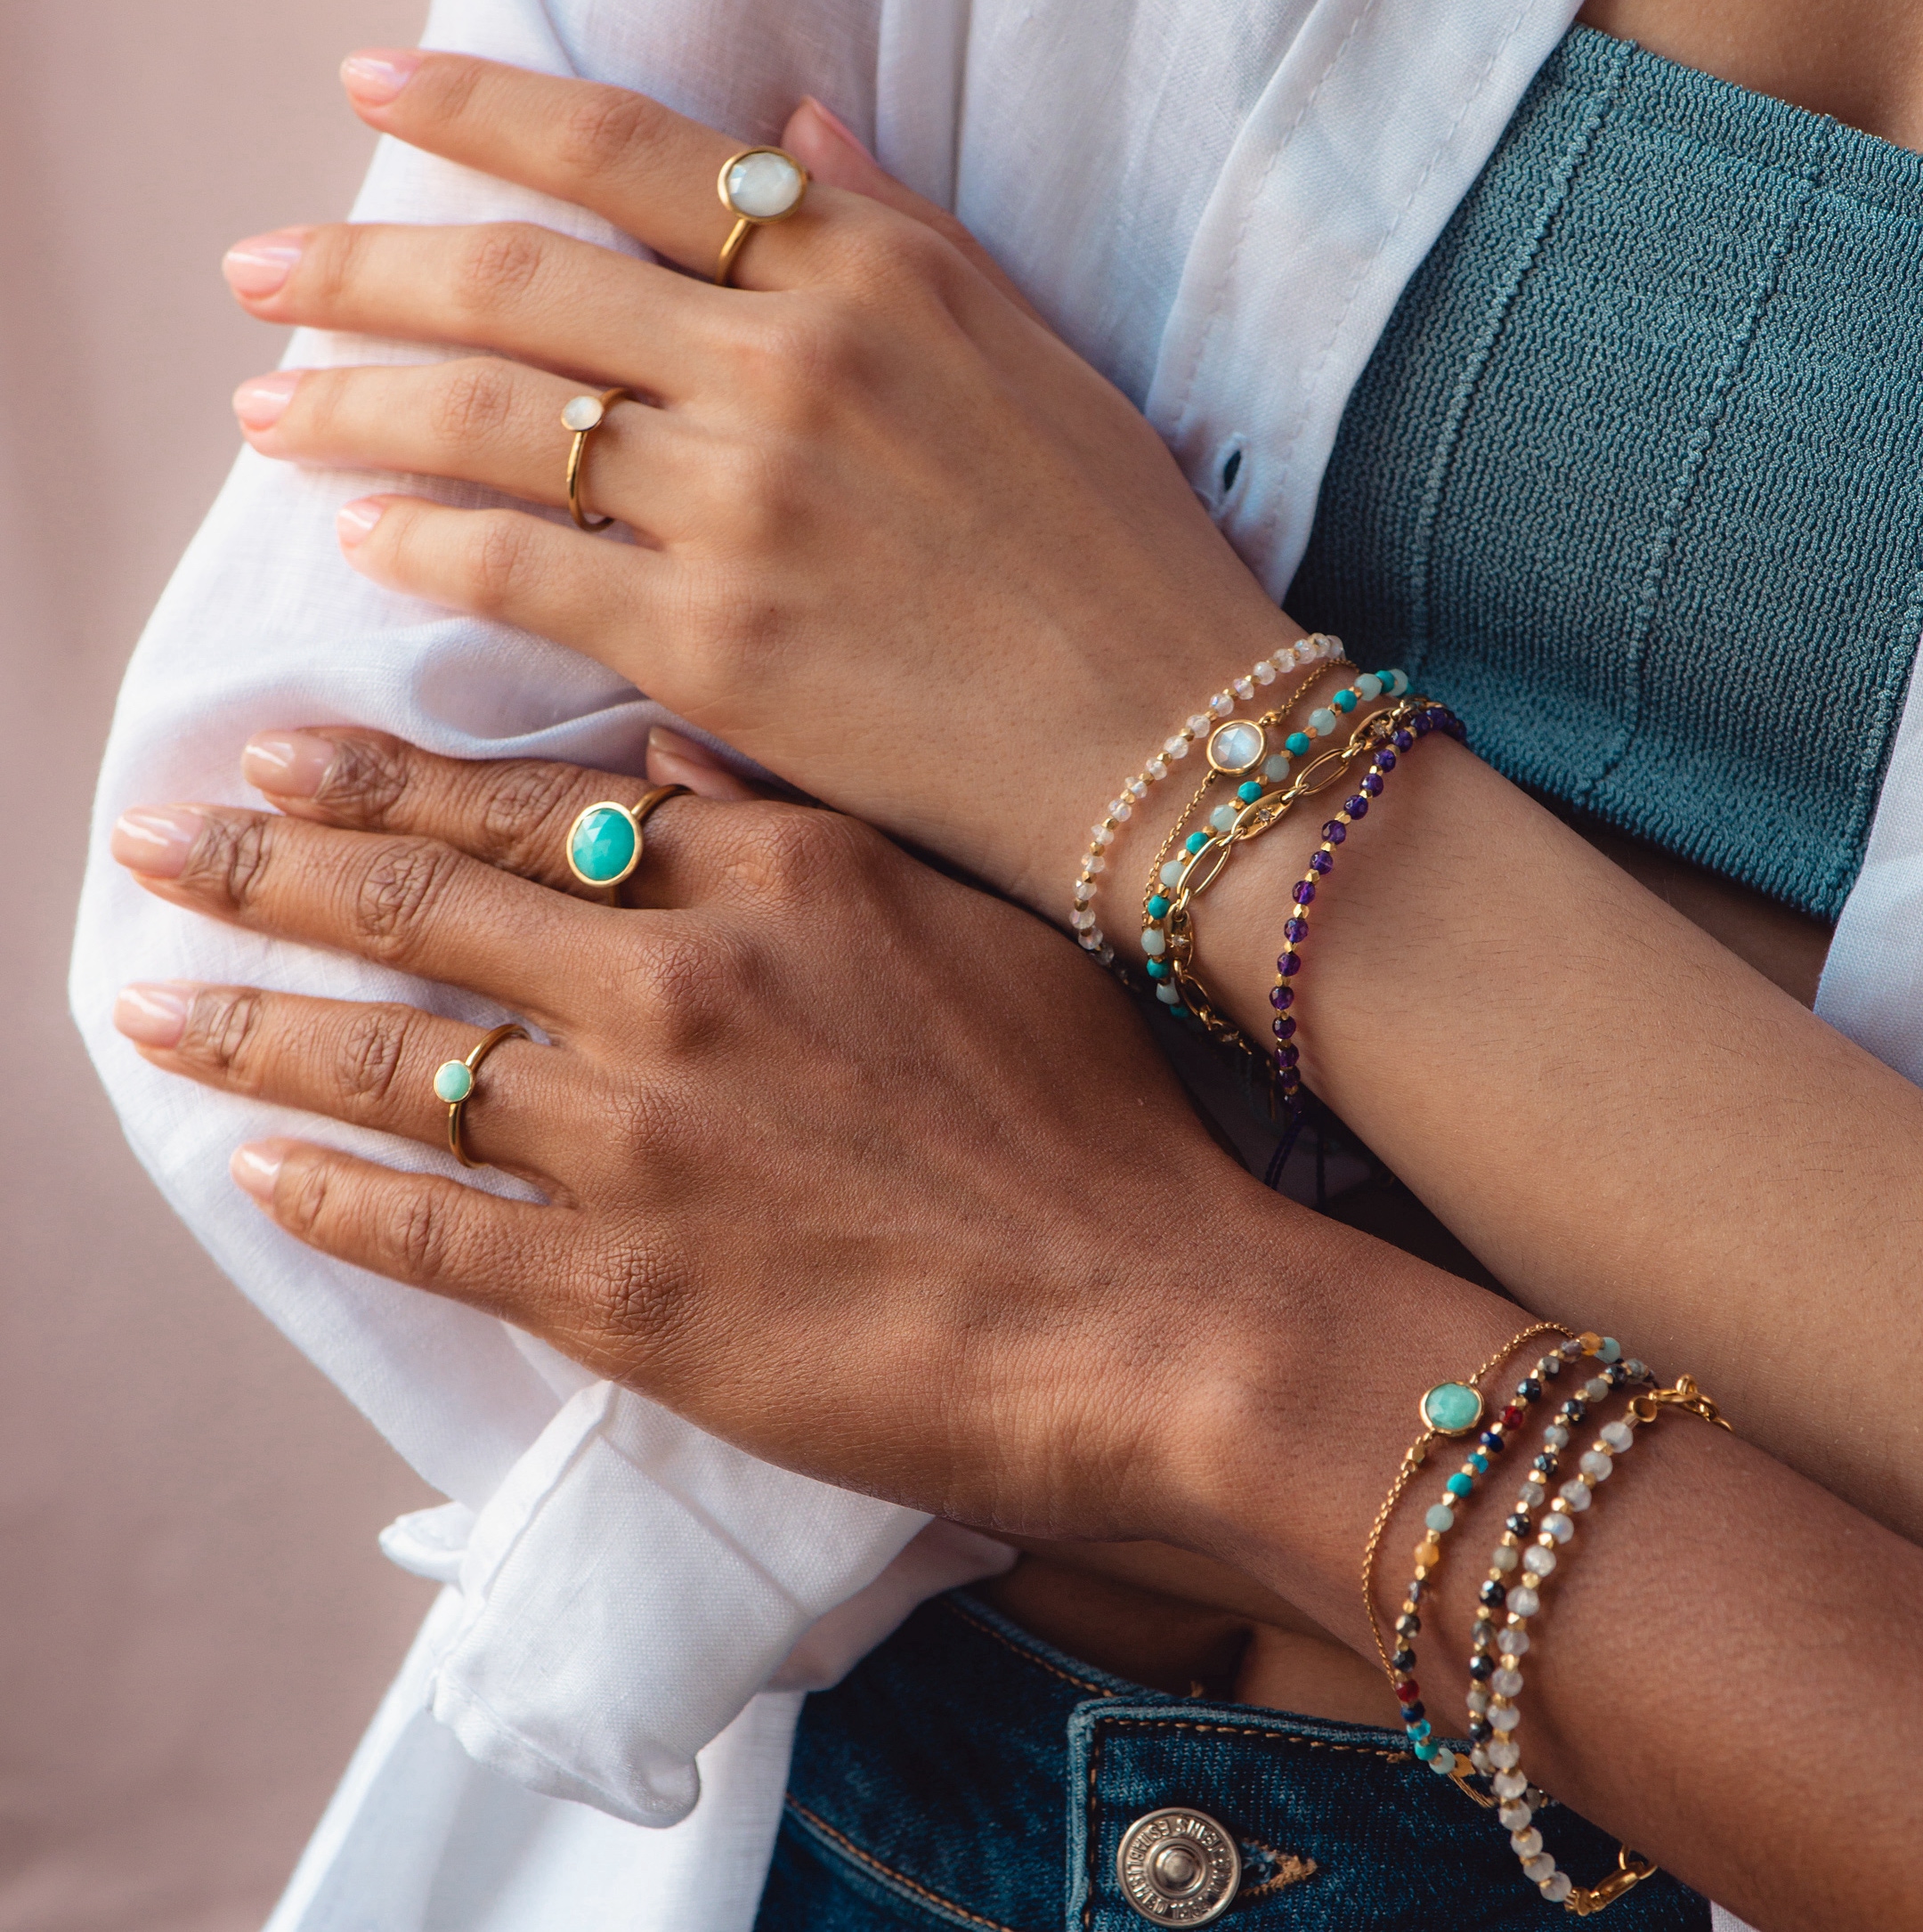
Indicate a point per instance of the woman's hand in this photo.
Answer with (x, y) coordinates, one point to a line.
(848, 1163)
(897, 540)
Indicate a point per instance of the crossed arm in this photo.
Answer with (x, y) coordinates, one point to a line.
(905, 550)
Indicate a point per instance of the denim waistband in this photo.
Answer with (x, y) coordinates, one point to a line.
(966, 1774)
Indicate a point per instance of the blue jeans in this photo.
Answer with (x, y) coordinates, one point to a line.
(965, 1774)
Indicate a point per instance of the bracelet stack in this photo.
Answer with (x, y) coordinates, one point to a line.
(1311, 650)
(1536, 1542)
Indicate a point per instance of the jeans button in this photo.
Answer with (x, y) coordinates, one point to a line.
(1178, 1866)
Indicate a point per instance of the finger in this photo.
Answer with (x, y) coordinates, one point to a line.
(481, 421)
(370, 1064)
(559, 583)
(650, 171)
(423, 1229)
(834, 154)
(412, 903)
(512, 813)
(514, 287)
(675, 760)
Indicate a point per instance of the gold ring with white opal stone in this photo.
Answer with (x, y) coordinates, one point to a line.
(454, 1083)
(757, 186)
(584, 415)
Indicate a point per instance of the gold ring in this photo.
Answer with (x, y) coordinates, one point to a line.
(454, 1083)
(584, 415)
(757, 186)
(604, 842)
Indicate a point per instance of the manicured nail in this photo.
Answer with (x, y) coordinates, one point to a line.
(261, 400)
(154, 1015)
(838, 126)
(375, 75)
(156, 838)
(259, 265)
(255, 1168)
(353, 521)
(672, 745)
(290, 764)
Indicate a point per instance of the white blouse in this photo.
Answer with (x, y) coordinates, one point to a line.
(1218, 205)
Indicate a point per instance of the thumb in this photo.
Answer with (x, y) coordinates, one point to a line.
(832, 154)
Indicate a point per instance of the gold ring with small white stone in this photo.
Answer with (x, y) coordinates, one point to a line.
(584, 415)
(454, 1083)
(757, 186)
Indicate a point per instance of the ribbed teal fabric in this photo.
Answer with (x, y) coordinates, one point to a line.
(1635, 479)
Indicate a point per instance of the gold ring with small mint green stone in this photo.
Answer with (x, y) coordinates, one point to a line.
(584, 415)
(454, 1083)
(758, 185)
(604, 843)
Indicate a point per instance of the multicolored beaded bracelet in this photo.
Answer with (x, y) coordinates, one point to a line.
(1496, 1681)
(1226, 744)
(1453, 1408)
(1322, 862)
(1316, 649)
(1167, 930)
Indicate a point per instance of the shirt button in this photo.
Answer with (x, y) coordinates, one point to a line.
(1178, 1867)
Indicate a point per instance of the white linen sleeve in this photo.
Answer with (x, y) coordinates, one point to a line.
(627, 1582)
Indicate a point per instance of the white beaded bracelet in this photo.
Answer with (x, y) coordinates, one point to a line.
(1313, 650)
(1495, 1667)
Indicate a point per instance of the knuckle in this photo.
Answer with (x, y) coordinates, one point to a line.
(222, 1031)
(418, 1236)
(607, 131)
(400, 891)
(502, 560)
(789, 851)
(497, 264)
(330, 262)
(365, 778)
(523, 807)
(370, 1052)
(229, 863)
(812, 348)
(471, 402)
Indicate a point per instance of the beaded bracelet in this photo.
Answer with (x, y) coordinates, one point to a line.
(1230, 755)
(1168, 905)
(1312, 650)
(1451, 1409)
(1322, 862)
(1497, 1681)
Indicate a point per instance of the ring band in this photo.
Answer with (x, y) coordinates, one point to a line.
(584, 415)
(604, 842)
(757, 186)
(454, 1083)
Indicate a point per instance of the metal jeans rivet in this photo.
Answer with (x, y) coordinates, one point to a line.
(1178, 1866)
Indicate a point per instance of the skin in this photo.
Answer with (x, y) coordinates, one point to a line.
(798, 454)
(802, 1167)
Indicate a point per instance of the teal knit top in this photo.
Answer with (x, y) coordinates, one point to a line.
(1635, 479)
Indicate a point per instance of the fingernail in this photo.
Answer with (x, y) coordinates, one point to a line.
(261, 400)
(255, 1168)
(837, 126)
(156, 838)
(259, 265)
(154, 1015)
(353, 521)
(290, 764)
(375, 75)
(672, 745)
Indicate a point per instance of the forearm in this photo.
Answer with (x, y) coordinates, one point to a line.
(1695, 1738)
(1623, 1121)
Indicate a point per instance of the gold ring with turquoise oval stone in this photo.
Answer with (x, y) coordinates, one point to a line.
(454, 1083)
(604, 842)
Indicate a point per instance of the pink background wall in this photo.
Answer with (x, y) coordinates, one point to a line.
(194, 1621)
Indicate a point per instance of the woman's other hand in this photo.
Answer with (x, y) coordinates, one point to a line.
(894, 538)
(850, 1164)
